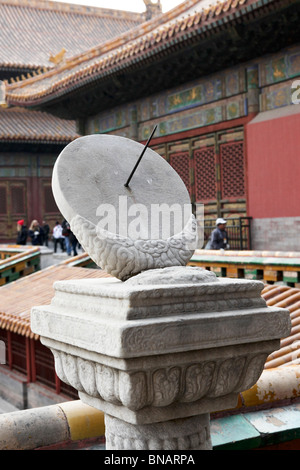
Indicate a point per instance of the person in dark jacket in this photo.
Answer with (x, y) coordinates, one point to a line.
(36, 233)
(22, 233)
(219, 237)
(66, 233)
(73, 242)
(46, 230)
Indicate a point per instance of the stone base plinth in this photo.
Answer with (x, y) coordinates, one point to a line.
(181, 434)
(160, 351)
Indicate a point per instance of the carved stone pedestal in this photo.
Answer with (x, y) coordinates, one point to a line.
(159, 352)
(180, 434)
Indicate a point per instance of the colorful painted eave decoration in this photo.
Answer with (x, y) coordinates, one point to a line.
(123, 52)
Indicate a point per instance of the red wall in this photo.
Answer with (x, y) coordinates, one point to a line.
(273, 167)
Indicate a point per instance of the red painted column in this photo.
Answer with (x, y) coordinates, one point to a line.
(34, 201)
(32, 360)
(28, 360)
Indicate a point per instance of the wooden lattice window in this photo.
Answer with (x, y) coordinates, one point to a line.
(68, 390)
(49, 201)
(44, 365)
(3, 200)
(232, 170)
(17, 200)
(18, 353)
(205, 174)
(45, 371)
(181, 163)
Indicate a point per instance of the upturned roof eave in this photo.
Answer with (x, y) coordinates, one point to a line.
(23, 126)
(115, 43)
(123, 41)
(38, 139)
(130, 49)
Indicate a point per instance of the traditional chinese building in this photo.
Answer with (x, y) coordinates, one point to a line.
(219, 83)
(36, 36)
(29, 145)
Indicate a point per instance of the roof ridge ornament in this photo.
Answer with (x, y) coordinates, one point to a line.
(59, 57)
(152, 9)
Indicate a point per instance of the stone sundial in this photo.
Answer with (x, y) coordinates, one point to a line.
(161, 351)
(127, 206)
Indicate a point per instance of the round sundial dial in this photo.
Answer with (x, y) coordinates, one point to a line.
(126, 205)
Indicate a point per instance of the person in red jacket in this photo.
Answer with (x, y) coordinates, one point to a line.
(22, 233)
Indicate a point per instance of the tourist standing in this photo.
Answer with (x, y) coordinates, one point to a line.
(66, 233)
(22, 233)
(58, 237)
(219, 237)
(46, 229)
(73, 243)
(36, 233)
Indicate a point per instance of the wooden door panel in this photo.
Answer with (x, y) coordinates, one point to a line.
(13, 207)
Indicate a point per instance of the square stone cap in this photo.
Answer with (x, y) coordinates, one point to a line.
(122, 320)
(132, 300)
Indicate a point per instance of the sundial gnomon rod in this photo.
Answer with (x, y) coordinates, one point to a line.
(140, 158)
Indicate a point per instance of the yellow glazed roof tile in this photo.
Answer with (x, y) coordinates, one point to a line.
(17, 124)
(18, 297)
(189, 18)
(27, 30)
